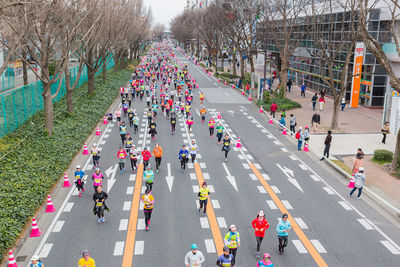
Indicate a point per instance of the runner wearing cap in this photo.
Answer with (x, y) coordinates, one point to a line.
(148, 204)
(97, 178)
(203, 197)
(260, 224)
(86, 260)
(146, 156)
(225, 259)
(95, 155)
(193, 150)
(265, 262)
(183, 157)
(283, 229)
(35, 262)
(194, 257)
(232, 241)
(99, 198)
(148, 177)
(79, 180)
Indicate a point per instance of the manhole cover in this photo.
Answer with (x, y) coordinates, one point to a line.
(21, 258)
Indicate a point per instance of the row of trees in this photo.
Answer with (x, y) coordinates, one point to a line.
(325, 31)
(51, 32)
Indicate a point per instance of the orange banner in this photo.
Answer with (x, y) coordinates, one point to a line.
(358, 61)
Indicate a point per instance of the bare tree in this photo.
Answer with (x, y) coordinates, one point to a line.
(157, 31)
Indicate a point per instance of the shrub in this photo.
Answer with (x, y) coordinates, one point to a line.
(383, 156)
(277, 97)
(29, 172)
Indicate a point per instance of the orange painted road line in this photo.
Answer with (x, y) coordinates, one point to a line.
(133, 218)
(219, 243)
(306, 242)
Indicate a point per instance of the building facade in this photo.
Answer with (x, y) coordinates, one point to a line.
(194, 4)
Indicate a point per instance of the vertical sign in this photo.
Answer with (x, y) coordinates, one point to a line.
(356, 81)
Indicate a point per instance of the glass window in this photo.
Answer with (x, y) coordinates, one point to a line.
(374, 14)
(373, 26)
(369, 59)
(379, 70)
(378, 91)
(380, 80)
(377, 101)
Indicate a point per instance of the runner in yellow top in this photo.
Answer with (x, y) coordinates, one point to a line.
(148, 203)
(86, 260)
(203, 197)
(232, 241)
(201, 98)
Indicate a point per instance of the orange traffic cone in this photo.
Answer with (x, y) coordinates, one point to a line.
(271, 121)
(11, 260)
(305, 147)
(66, 181)
(85, 150)
(97, 131)
(105, 120)
(50, 207)
(238, 144)
(284, 131)
(219, 115)
(35, 229)
(260, 110)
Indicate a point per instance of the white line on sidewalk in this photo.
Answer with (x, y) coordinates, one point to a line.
(58, 226)
(299, 246)
(318, 246)
(119, 248)
(139, 247)
(364, 223)
(123, 225)
(301, 223)
(210, 246)
(127, 206)
(272, 205)
(204, 222)
(45, 250)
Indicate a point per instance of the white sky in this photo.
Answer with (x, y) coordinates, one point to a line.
(165, 10)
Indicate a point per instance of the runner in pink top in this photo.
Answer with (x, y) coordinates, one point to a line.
(97, 178)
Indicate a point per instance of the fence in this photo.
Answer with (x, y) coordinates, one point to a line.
(18, 105)
(7, 79)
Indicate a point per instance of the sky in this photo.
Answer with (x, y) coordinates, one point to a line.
(165, 10)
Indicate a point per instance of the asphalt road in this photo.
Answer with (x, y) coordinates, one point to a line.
(267, 173)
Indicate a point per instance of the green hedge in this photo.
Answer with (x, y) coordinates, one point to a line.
(227, 76)
(277, 97)
(28, 173)
(383, 156)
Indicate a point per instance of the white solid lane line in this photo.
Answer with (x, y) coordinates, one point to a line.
(210, 246)
(299, 246)
(119, 248)
(318, 246)
(139, 247)
(123, 225)
(58, 226)
(301, 223)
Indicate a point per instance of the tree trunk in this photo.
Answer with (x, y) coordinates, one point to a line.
(48, 108)
(90, 74)
(70, 90)
(242, 66)
(104, 73)
(335, 114)
(283, 75)
(251, 64)
(24, 69)
(396, 159)
(234, 64)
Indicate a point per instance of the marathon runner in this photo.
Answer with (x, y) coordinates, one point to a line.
(226, 142)
(79, 181)
(260, 224)
(183, 157)
(232, 241)
(97, 178)
(99, 198)
(148, 204)
(204, 192)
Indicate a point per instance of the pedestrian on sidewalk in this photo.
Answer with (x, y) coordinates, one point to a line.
(292, 124)
(327, 142)
(289, 85)
(306, 134)
(359, 180)
(314, 101)
(299, 136)
(343, 103)
(385, 130)
(282, 122)
(315, 120)
(194, 257)
(321, 102)
(273, 109)
(260, 224)
(358, 160)
(322, 93)
(303, 90)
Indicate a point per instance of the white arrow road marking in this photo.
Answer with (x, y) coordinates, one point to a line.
(289, 173)
(169, 178)
(110, 172)
(230, 178)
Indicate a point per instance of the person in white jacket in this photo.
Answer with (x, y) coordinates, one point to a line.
(193, 150)
(194, 257)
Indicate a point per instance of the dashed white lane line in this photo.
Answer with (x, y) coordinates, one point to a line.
(142, 130)
(123, 225)
(202, 165)
(249, 156)
(258, 166)
(240, 156)
(276, 142)
(210, 246)
(193, 176)
(301, 223)
(143, 189)
(140, 142)
(102, 142)
(45, 250)
(264, 131)
(119, 248)
(141, 135)
(183, 135)
(272, 205)
(244, 149)
(132, 177)
(108, 130)
(148, 141)
(253, 177)
(68, 207)
(292, 157)
(58, 226)
(344, 205)
(139, 247)
(390, 247)
(112, 125)
(204, 223)
(106, 136)
(270, 136)
(221, 222)
(190, 165)
(141, 225)
(303, 167)
(235, 149)
(198, 156)
(246, 166)
(318, 246)
(185, 141)
(284, 149)
(299, 246)
(365, 223)
(141, 205)
(127, 206)
(215, 203)
(266, 177)
(261, 189)
(315, 178)
(275, 189)
(129, 190)
(328, 190)
(287, 204)
(89, 167)
(206, 176)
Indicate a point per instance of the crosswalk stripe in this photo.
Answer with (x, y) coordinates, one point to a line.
(390, 247)
(210, 246)
(318, 246)
(299, 246)
(204, 222)
(272, 205)
(119, 248)
(123, 225)
(139, 247)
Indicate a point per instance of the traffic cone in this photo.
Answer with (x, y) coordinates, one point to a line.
(50, 207)
(11, 260)
(219, 115)
(85, 150)
(305, 147)
(261, 110)
(66, 181)
(233, 86)
(197, 86)
(271, 121)
(105, 120)
(97, 131)
(284, 131)
(238, 144)
(225, 83)
(249, 98)
(219, 80)
(242, 92)
(35, 229)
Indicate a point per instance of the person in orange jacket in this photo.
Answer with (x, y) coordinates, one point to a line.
(157, 152)
(260, 224)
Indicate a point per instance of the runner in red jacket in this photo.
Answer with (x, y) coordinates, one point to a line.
(260, 224)
(146, 154)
